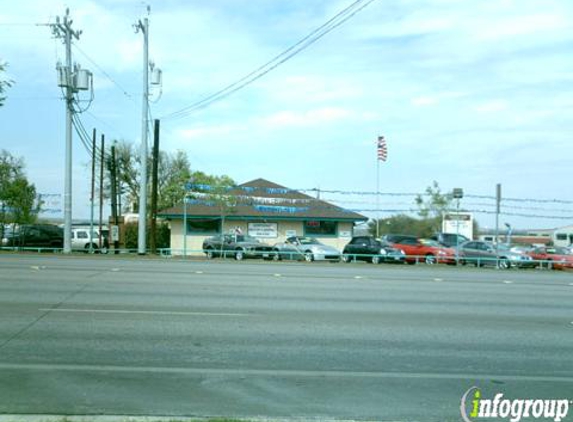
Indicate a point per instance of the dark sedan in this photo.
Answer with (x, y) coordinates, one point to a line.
(368, 248)
(238, 246)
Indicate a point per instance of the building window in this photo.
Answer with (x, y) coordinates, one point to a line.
(561, 236)
(320, 228)
(204, 226)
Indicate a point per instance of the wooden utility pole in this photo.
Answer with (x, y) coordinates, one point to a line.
(154, 182)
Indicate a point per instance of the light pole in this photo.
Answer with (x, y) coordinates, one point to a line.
(457, 194)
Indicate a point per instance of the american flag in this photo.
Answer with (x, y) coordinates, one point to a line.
(382, 149)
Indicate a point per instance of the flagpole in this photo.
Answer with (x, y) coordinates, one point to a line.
(377, 197)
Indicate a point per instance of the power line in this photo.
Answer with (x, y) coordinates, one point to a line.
(287, 54)
(103, 72)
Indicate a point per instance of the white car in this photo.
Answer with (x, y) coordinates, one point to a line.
(81, 240)
(306, 248)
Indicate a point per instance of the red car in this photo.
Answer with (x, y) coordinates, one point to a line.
(553, 257)
(422, 250)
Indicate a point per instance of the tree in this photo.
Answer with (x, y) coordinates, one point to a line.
(436, 204)
(4, 83)
(403, 224)
(17, 196)
(174, 172)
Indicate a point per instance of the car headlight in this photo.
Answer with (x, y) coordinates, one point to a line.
(402, 252)
(383, 252)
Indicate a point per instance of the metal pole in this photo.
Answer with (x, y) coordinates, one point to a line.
(102, 158)
(68, 154)
(458, 232)
(377, 197)
(185, 226)
(142, 221)
(497, 212)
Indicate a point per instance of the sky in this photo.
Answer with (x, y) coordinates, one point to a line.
(467, 94)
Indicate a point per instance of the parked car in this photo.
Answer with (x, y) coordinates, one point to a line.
(422, 250)
(238, 246)
(553, 257)
(450, 240)
(368, 248)
(307, 248)
(35, 236)
(81, 240)
(482, 253)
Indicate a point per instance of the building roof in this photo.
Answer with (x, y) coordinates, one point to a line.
(262, 199)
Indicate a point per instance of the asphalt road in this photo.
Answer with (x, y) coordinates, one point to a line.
(114, 336)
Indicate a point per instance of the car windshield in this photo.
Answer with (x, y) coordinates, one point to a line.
(245, 238)
(308, 241)
(432, 243)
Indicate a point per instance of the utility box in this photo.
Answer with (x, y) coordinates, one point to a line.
(62, 76)
(82, 80)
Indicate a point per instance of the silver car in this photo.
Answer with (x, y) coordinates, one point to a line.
(307, 248)
(483, 253)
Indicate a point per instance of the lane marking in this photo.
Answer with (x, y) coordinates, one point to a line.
(358, 277)
(281, 372)
(126, 312)
(277, 275)
(507, 282)
(438, 279)
(199, 272)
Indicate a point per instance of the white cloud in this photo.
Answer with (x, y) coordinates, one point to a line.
(314, 117)
(493, 106)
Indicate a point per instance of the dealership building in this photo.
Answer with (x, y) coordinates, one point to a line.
(262, 209)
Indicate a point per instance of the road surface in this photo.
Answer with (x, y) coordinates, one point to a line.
(131, 336)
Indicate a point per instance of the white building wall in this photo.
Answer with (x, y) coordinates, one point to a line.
(563, 236)
(193, 243)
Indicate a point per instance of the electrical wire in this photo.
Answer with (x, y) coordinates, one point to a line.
(276, 61)
(104, 73)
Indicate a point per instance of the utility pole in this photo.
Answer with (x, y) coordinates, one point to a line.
(142, 221)
(63, 29)
(92, 196)
(113, 177)
(154, 177)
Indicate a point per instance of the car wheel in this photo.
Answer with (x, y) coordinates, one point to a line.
(209, 253)
(276, 255)
(308, 256)
(504, 264)
(375, 259)
(239, 255)
(93, 248)
(430, 259)
(345, 258)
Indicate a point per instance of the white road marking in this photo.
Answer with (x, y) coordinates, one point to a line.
(282, 372)
(122, 311)
(507, 282)
(358, 277)
(198, 272)
(115, 270)
(278, 275)
(438, 279)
